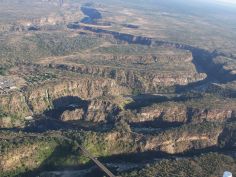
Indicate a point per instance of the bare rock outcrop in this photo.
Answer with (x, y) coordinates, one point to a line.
(101, 111)
(40, 99)
(36, 100)
(73, 115)
(145, 81)
(189, 112)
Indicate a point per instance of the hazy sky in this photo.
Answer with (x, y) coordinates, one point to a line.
(226, 1)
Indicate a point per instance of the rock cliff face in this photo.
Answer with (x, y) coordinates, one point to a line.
(60, 94)
(183, 143)
(26, 155)
(36, 100)
(210, 62)
(43, 21)
(13, 110)
(120, 36)
(171, 113)
(85, 88)
(228, 136)
(225, 66)
(212, 115)
(115, 94)
(73, 115)
(227, 90)
(169, 141)
(145, 81)
(185, 114)
(98, 110)
(176, 140)
(181, 110)
(108, 110)
(101, 111)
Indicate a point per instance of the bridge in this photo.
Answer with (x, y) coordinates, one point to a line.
(97, 162)
(89, 155)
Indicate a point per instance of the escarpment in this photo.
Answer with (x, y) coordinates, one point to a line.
(85, 79)
(167, 141)
(145, 81)
(14, 109)
(33, 150)
(29, 155)
(178, 140)
(227, 90)
(207, 61)
(82, 99)
(84, 88)
(147, 73)
(185, 114)
(35, 100)
(226, 66)
(184, 140)
(98, 110)
(191, 111)
(73, 115)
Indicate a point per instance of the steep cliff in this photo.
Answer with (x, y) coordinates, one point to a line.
(143, 80)
(52, 148)
(185, 138)
(209, 108)
(36, 100)
(210, 164)
(102, 110)
(13, 110)
(40, 99)
(73, 115)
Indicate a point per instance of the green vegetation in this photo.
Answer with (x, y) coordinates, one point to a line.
(48, 151)
(201, 128)
(90, 65)
(139, 50)
(212, 164)
(124, 102)
(58, 44)
(33, 151)
(228, 137)
(211, 101)
(136, 91)
(52, 151)
(31, 48)
(126, 49)
(40, 77)
(2, 113)
(195, 101)
(2, 71)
